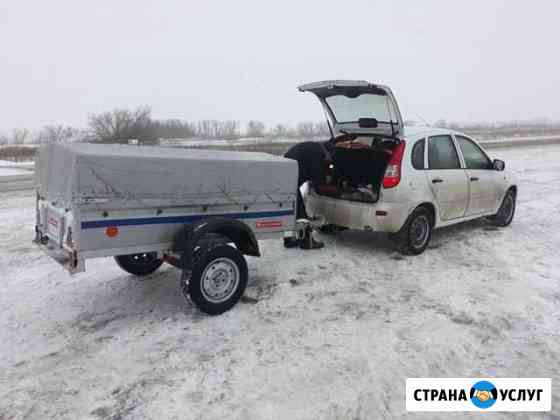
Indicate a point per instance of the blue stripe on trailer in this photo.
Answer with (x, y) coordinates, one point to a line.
(93, 224)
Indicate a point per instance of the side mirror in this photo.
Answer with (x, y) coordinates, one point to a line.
(367, 123)
(498, 165)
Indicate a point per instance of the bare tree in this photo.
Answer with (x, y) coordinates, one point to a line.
(120, 125)
(19, 135)
(56, 134)
(255, 129)
(206, 128)
(173, 129)
(321, 129)
(280, 130)
(230, 129)
(215, 129)
(306, 129)
(3, 139)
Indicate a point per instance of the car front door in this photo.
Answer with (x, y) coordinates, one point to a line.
(447, 179)
(484, 180)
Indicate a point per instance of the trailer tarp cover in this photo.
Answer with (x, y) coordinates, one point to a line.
(126, 176)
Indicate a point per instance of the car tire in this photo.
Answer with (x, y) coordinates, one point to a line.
(505, 213)
(415, 235)
(217, 280)
(139, 264)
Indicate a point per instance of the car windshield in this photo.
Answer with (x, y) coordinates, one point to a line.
(367, 105)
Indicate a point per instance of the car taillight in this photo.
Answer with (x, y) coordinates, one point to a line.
(393, 172)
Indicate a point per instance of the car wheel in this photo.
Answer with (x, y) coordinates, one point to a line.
(505, 214)
(415, 236)
(218, 279)
(139, 264)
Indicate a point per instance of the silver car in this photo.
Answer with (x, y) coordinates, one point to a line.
(405, 181)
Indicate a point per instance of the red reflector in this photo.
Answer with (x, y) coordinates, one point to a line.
(112, 231)
(269, 224)
(381, 213)
(393, 172)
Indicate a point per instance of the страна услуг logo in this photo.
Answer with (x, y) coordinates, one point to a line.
(483, 394)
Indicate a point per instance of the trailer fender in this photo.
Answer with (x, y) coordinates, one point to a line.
(187, 239)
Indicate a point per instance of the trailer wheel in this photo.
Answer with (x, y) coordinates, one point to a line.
(218, 279)
(139, 264)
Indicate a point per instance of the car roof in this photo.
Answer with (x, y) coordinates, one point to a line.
(418, 131)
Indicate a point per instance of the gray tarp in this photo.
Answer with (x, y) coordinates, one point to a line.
(119, 176)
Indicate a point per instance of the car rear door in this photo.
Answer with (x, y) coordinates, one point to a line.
(447, 179)
(485, 187)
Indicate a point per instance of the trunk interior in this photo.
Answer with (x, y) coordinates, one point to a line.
(357, 171)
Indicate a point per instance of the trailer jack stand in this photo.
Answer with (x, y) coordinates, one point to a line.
(184, 282)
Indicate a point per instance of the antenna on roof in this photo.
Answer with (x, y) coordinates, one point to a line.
(423, 120)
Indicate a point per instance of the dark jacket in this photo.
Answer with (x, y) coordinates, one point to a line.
(312, 158)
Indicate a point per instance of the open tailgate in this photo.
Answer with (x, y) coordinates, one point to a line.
(346, 101)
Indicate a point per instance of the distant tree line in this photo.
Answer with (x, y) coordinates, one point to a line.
(48, 134)
(122, 125)
(537, 123)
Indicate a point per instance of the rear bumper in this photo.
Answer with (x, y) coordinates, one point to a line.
(380, 216)
(65, 257)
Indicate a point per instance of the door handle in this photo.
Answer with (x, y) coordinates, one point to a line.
(474, 178)
(437, 180)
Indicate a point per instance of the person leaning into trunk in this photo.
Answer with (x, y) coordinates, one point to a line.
(312, 158)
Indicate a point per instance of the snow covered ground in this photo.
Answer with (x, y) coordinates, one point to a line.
(327, 334)
(4, 163)
(8, 168)
(9, 171)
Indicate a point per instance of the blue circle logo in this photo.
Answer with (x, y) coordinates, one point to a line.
(483, 394)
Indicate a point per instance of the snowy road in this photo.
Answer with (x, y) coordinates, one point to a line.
(16, 176)
(329, 334)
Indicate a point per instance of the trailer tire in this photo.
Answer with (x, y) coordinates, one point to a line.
(139, 264)
(218, 279)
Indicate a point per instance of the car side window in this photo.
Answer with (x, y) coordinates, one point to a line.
(442, 153)
(474, 157)
(418, 154)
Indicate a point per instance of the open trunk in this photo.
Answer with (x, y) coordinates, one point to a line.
(357, 171)
(369, 111)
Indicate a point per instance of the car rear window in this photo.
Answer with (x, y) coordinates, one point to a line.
(442, 153)
(351, 109)
(418, 154)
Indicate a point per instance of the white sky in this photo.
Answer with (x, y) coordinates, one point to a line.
(466, 61)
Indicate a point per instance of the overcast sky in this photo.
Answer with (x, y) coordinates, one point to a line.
(242, 59)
